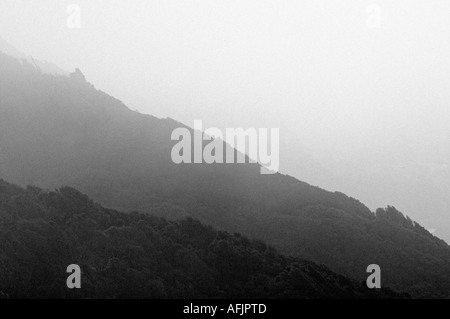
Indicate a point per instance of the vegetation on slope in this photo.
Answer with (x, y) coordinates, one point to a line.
(132, 255)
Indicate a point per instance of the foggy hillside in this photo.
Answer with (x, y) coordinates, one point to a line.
(58, 130)
(359, 89)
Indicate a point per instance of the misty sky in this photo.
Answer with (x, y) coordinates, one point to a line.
(361, 109)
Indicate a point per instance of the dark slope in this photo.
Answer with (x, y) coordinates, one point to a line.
(131, 255)
(61, 131)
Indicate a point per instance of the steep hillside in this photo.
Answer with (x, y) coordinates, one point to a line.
(62, 131)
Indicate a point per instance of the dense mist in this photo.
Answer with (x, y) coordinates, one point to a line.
(359, 89)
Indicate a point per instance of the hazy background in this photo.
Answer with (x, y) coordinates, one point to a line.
(359, 89)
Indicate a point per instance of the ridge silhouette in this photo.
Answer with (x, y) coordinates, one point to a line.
(56, 131)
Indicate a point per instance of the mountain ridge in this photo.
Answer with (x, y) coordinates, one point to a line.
(56, 131)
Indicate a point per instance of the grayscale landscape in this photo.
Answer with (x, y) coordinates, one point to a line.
(97, 100)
